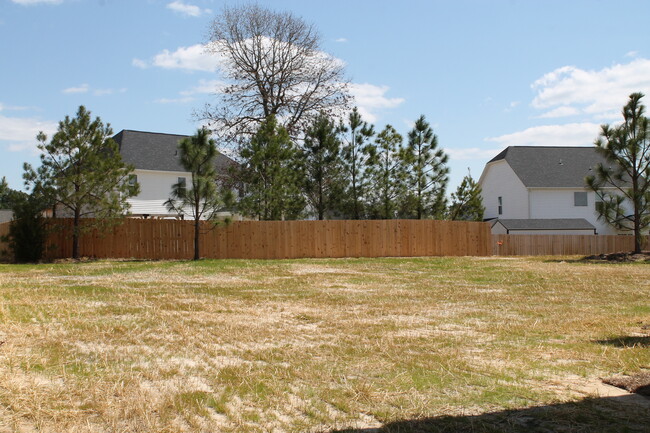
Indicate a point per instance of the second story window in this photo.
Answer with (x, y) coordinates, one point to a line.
(580, 198)
(182, 183)
(133, 179)
(500, 200)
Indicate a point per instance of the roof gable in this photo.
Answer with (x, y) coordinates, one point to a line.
(158, 151)
(551, 167)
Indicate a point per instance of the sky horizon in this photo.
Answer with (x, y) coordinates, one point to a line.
(486, 75)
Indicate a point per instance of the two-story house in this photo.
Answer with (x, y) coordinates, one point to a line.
(541, 190)
(155, 157)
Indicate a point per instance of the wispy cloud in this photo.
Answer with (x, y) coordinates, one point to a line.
(596, 94)
(36, 2)
(341, 40)
(205, 87)
(370, 98)
(192, 58)
(85, 88)
(79, 89)
(183, 100)
(139, 63)
(19, 133)
(572, 134)
(187, 9)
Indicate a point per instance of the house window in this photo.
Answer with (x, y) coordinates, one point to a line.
(580, 199)
(598, 202)
(182, 183)
(133, 179)
(500, 206)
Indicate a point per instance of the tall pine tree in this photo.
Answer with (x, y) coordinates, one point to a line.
(83, 174)
(272, 175)
(466, 202)
(355, 155)
(202, 199)
(427, 175)
(323, 167)
(623, 185)
(386, 174)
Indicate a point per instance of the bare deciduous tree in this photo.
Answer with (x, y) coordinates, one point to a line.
(275, 67)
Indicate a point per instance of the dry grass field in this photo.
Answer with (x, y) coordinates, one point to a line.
(354, 345)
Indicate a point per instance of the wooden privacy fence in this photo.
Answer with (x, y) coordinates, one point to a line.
(172, 239)
(4, 247)
(555, 245)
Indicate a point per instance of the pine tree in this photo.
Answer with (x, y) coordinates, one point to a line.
(427, 177)
(272, 174)
(627, 150)
(386, 174)
(355, 155)
(83, 174)
(323, 169)
(203, 199)
(466, 202)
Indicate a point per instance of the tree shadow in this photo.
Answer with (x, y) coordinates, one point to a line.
(628, 413)
(626, 342)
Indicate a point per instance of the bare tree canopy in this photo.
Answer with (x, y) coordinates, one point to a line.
(274, 67)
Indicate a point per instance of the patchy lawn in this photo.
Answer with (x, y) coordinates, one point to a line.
(426, 344)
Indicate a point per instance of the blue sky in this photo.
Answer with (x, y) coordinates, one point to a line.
(486, 74)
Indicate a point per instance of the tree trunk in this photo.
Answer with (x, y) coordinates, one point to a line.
(197, 225)
(75, 235)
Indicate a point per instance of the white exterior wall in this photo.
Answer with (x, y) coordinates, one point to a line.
(157, 185)
(155, 189)
(499, 180)
(559, 203)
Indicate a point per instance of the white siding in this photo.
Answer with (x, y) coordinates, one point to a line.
(157, 185)
(499, 180)
(559, 203)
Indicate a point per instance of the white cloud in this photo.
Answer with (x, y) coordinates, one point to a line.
(138, 63)
(35, 2)
(594, 93)
(187, 9)
(79, 89)
(4, 107)
(85, 88)
(184, 100)
(192, 58)
(471, 153)
(370, 98)
(560, 112)
(341, 40)
(631, 54)
(572, 134)
(205, 87)
(20, 132)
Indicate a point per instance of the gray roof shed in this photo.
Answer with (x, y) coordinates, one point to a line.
(546, 224)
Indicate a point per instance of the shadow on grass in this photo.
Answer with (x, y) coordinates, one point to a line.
(629, 413)
(625, 342)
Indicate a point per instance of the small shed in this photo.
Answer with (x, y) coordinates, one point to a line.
(558, 226)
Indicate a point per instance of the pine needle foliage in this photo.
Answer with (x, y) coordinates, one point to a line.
(623, 184)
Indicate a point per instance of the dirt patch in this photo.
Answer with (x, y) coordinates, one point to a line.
(643, 256)
(638, 383)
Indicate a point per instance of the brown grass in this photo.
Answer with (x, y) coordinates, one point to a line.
(316, 345)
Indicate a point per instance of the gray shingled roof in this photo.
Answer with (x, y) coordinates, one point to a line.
(551, 167)
(157, 151)
(546, 224)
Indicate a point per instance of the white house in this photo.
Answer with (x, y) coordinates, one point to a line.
(539, 189)
(157, 165)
